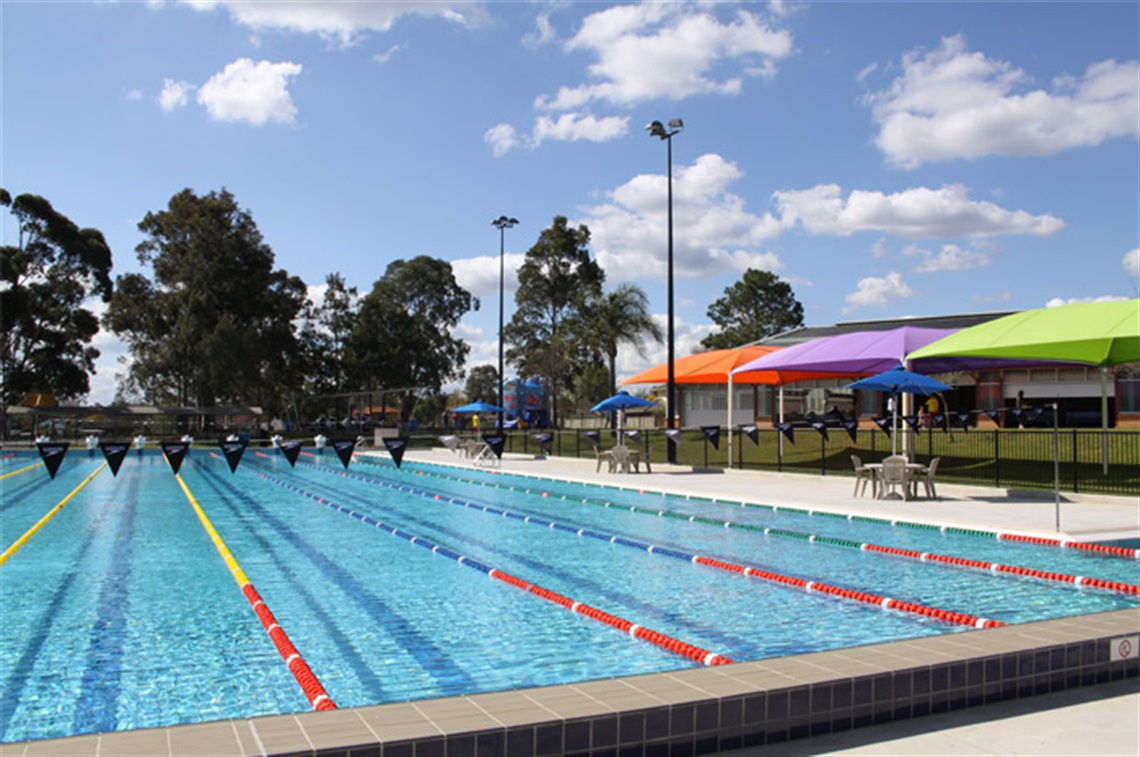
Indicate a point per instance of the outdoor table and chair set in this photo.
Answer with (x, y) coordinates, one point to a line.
(895, 475)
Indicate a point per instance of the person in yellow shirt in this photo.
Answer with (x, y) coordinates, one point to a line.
(932, 407)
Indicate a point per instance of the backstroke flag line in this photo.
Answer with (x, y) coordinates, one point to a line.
(114, 452)
(712, 433)
(752, 432)
(496, 443)
(52, 453)
(546, 442)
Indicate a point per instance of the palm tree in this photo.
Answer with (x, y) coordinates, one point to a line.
(621, 317)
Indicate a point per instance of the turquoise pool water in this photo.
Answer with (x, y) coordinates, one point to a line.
(119, 613)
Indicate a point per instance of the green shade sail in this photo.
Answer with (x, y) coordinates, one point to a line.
(1097, 333)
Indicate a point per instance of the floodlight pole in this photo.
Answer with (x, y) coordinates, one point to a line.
(502, 223)
(657, 129)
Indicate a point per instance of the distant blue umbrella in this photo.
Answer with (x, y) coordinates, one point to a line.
(621, 401)
(478, 406)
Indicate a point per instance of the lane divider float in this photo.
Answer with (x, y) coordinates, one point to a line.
(310, 684)
(670, 643)
(25, 469)
(1103, 549)
(949, 616)
(19, 543)
(1083, 581)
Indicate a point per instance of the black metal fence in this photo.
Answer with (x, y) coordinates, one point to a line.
(1004, 458)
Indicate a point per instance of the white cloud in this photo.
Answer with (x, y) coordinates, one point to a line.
(1058, 301)
(953, 257)
(952, 103)
(251, 92)
(655, 51)
(543, 32)
(569, 127)
(386, 56)
(342, 21)
(175, 94)
(502, 138)
(917, 213)
(1131, 262)
(878, 292)
(719, 234)
(480, 275)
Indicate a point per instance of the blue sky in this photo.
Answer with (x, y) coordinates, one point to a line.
(887, 159)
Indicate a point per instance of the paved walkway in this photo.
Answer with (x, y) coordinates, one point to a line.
(1096, 720)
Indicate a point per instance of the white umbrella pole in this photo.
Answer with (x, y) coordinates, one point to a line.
(780, 439)
(730, 398)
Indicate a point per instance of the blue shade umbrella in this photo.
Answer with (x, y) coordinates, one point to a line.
(621, 401)
(478, 406)
(900, 381)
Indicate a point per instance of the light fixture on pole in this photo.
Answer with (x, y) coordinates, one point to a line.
(661, 131)
(502, 223)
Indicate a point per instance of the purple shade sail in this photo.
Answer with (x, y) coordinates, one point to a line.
(865, 353)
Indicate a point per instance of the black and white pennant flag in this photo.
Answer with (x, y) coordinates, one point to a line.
(291, 451)
(52, 453)
(712, 433)
(396, 449)
(115, 453)
(344, 450)
(233, 452)
(175, 453)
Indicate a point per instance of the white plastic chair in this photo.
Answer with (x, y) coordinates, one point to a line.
(863, 475)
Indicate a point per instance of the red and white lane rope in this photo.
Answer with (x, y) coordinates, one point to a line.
(310, 684)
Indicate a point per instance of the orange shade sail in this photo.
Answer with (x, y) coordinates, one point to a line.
(713, 367)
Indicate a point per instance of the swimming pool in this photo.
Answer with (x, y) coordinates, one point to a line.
(128, 618)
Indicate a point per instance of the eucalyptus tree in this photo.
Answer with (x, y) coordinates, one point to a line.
(46, 280)
(482, 384)
(556, 282)
(324, 336)
(215, 325)
(758, 306)
(402, 338)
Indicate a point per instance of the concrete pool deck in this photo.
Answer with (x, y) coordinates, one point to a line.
(1068, 681)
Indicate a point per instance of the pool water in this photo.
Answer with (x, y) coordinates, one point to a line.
(120, 613)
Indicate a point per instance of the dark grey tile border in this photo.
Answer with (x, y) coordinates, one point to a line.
(686, 712)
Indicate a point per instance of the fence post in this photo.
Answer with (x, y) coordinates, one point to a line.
(997, 460)
(1076, 468)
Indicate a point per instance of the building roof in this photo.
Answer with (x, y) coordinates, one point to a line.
(807, 333)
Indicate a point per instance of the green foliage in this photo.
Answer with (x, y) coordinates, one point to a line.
(45, 279)
(620, 317)
(483, 384)
(557, 281)
(215, 326)
(591, 386)
(757, 306)
(402, 337)
(324, 337)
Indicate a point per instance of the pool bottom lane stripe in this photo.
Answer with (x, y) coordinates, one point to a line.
(19, 543)
(310, 684)
(674, 645)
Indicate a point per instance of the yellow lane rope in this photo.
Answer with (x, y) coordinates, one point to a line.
(22, 470)
(50, 514)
